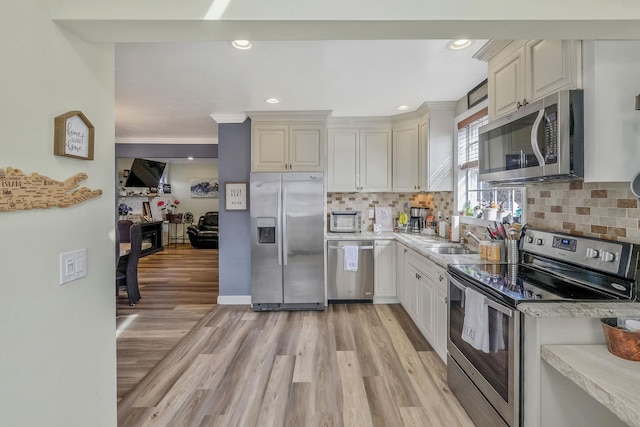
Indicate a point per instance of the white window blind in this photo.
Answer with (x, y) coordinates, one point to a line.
(468, 140)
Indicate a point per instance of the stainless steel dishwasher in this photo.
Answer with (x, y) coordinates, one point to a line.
(343, 284)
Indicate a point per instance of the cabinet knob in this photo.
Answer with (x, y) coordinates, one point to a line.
(441, 278)
(406, 250)
(518, 105)
(525, 102)
(446, 300)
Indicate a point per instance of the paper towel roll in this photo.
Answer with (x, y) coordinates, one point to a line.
(455, 228)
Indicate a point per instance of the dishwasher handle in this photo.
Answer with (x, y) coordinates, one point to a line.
(359, 247)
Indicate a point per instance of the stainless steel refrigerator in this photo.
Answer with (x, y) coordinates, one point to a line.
(287, 241)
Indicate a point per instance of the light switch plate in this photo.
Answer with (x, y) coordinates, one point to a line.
(371, 214)
(73, 265)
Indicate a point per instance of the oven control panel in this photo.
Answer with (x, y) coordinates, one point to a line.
(604, 255)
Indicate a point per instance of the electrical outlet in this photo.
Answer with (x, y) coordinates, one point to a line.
(371, 214)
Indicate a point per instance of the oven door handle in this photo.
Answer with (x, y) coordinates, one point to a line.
(496, 306)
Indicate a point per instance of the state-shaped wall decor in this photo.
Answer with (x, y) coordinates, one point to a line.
(21, 192)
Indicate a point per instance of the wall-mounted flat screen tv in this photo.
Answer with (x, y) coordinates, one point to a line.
(145, 173)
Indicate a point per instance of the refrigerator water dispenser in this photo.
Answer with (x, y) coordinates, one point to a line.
(266, 230)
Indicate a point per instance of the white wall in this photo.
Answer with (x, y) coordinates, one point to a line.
(57, 362)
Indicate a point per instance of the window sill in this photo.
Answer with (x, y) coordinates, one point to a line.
(479, 222)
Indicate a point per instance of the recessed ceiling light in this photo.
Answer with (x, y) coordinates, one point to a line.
(271, 100)
(459, 44)
(242, 44)
(190, 158)
(403, 107)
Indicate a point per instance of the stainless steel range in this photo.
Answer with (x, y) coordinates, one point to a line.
(485, 333)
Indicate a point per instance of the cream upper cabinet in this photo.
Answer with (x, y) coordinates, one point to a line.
(525, 71)
(269, 147)
(423, 148)
(405, 157)
(359, 157)
(306, 146)
(288, 142)
(436, 143)
(506, 84)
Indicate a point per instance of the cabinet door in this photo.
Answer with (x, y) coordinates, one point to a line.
(506, 81)
(551, 65)
(440, 143)
(423, 155)
(426, 303)
(405, 159)
(306, 147)
(375, 160)
(401, 266)
(269, 145)
(412, 280)
(440, 323)
(343, 160)
(384, 278)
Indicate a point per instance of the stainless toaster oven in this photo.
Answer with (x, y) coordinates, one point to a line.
(345, 222)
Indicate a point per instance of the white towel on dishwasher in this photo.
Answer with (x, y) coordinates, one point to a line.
(475, 328)
(351, 258)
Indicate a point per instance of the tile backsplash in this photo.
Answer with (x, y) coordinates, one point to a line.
(436, 201)
(606, 210)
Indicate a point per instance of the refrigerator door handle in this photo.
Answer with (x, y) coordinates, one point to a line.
(284, 223)
(279, 237)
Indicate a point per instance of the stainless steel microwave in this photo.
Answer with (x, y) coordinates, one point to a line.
(345, 222)
(542, 141)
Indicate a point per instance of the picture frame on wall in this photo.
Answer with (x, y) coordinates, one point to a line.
(478, 94)
(73, 136)
(235, 196)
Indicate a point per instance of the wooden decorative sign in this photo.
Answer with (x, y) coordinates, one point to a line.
(21, 192)
(73, 136)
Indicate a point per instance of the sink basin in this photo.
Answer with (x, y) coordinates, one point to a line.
(444, 250)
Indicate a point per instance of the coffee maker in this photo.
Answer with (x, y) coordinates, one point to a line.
(415, 220)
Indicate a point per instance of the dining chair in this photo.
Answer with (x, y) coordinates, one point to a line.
(127, 270)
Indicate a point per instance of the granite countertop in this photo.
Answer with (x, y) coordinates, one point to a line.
(612, 381)
(421, 244)
(580, 309)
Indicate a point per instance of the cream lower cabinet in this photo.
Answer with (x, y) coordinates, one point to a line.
(402, 261)
(384, 283)
(424, 297)
(359, 158)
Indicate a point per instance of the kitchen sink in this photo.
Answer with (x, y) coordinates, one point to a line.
(449, 250)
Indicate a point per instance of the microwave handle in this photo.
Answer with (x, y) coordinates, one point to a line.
(534, 137)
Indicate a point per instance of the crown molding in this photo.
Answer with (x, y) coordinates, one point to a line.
(491, 49)
(276, 116)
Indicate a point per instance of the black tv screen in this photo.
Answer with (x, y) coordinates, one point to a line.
(145, 173)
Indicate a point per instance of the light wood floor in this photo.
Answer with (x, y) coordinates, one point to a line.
(351, 365)
(178, 286)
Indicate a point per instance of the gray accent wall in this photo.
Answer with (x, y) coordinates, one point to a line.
(234, 149)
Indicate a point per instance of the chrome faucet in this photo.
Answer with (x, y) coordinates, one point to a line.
(473, 236)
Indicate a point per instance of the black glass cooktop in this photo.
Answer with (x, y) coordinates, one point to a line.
(519, 283)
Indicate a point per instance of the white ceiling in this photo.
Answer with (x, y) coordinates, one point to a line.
(169, 90)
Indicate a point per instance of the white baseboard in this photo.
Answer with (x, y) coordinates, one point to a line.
(234, 299)
(385, 300)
